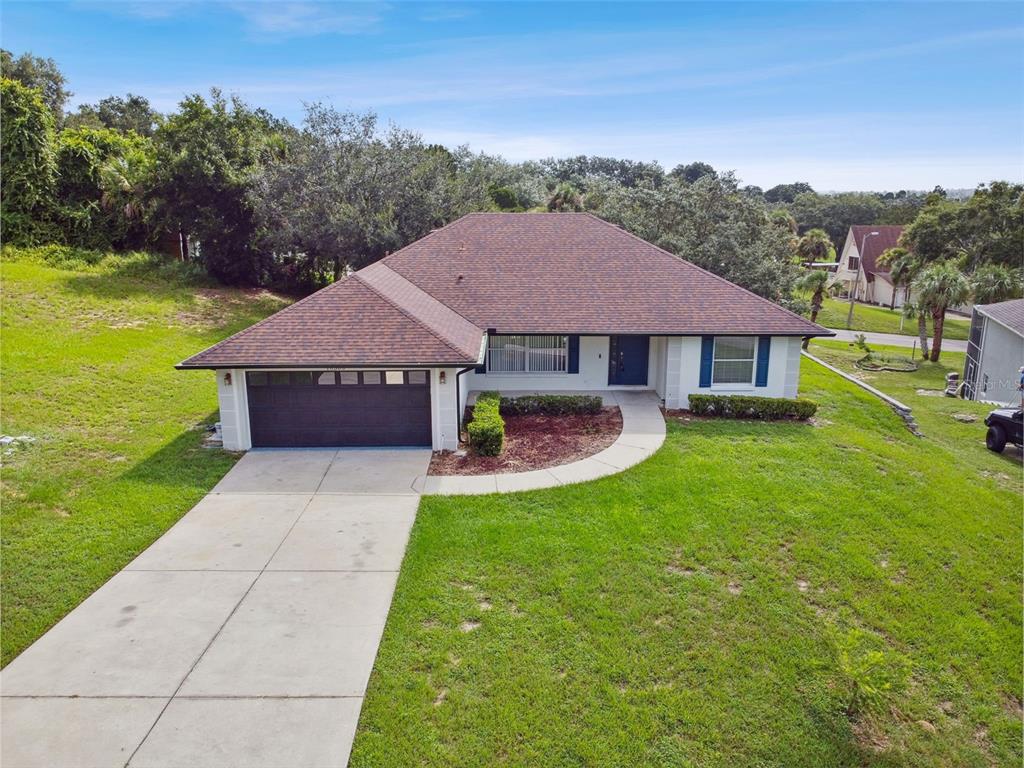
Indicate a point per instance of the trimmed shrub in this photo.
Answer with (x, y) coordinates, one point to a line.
(487, 429)
(550, 405)
(750, 407)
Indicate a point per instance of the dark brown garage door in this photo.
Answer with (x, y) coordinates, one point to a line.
(338, 408)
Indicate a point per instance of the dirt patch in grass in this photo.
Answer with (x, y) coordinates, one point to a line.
(536, 442)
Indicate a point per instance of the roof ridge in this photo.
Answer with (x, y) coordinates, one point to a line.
(433, 332)
(701, 269)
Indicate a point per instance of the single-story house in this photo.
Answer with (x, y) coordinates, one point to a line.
(995, 353)
(861, 272)
(495, 301)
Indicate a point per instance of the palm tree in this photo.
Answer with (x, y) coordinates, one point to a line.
(565, 198)
(940, 286)
(815, 283)
(994, 282)
(815, 246)
(902, 268)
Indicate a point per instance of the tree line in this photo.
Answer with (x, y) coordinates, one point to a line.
(257, 200)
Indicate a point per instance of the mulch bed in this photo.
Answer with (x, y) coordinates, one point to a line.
(536, 442)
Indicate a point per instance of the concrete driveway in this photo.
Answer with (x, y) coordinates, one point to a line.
(244, 636)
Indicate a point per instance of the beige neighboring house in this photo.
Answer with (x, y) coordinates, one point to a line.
(861, 273)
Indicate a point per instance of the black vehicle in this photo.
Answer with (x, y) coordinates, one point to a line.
(1005, 425)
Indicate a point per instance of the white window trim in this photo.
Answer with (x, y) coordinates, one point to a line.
(564, 348)
(736, 385)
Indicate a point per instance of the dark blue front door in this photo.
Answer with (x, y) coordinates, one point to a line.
(627, 359)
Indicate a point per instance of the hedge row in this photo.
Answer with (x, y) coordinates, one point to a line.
(487, 429)
(749, 407)
(550, 405)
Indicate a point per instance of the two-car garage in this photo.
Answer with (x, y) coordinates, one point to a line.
(339, 408)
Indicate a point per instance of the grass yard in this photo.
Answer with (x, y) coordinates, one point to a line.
(883, 320)
(687, 612)
(88, 355)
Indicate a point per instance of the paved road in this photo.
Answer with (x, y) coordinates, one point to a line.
(244, 636)
(896, 340)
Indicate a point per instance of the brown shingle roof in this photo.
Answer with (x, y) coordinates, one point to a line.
(517, 273)
(351, 322)
(888, 237)
(1009, 313)
(574, 273)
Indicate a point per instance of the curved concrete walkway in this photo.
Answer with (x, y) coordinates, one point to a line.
(643, 432)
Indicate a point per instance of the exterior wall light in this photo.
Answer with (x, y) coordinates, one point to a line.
(227, 379)
(440, 377)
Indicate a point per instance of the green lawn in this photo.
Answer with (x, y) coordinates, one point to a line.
(883, 320)
(87, 358)
(686, 612)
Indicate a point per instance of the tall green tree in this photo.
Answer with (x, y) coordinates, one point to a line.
(716, 226)
(992, 283)
(130, 113)
(42, 74)
(991, 225)
(207, 157)
(835, 214)
(29, 163)
(690, 172)
(814, 282)
(83, 208)
(815, 246)
(940, 286)
(375, 191)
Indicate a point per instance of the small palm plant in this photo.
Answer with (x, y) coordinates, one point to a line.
(873, 676)
(815, 283)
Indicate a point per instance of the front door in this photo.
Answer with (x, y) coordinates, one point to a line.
(627, 360)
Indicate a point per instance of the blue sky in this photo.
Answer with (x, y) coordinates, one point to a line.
(843, 95)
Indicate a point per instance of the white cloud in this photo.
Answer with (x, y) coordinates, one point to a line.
(266, 18)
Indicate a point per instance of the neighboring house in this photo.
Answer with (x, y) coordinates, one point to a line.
(512, 302)
(995, 353)
(872, 282)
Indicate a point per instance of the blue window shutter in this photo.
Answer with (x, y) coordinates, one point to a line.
(764, 346)
(707, 349)
(574, 354)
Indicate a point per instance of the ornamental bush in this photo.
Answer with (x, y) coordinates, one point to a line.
(750, 407)
(550, 405)
(487, 429)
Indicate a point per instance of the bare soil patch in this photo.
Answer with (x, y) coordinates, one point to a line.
(536, 442)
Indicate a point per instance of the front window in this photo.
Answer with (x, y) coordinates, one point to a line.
(733, 360)
(853, 263)
(527, 354)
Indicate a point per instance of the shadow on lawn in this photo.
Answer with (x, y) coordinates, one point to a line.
(184, 462)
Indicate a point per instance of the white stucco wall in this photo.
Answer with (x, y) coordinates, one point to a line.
(234, 409)
(1002, 355)
(444, 409)
(683, 372)
(593, 373)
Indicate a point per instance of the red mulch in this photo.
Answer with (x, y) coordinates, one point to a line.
(536, 442)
